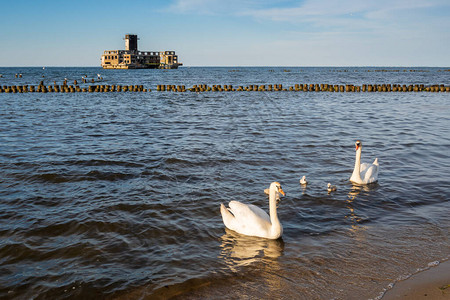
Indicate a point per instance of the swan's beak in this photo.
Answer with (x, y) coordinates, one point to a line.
(281, 192)
(356, 147)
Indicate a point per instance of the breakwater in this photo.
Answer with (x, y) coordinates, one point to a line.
(323, 87)
(308, 88)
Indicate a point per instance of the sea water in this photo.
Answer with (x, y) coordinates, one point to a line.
(117, 195)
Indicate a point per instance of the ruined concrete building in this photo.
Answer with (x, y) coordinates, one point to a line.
(132, 58)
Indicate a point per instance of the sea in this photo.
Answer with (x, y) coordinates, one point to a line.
(116, 195)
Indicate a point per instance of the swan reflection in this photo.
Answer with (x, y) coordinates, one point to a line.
(240, 250)
(353, 216)
(358, 188)
(352, 195)
(303, 187)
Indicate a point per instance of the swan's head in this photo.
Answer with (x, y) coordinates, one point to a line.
(277, 187)
(358, 145)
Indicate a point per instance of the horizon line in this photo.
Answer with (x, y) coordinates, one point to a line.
(242, 66)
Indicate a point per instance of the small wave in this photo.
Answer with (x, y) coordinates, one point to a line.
(62, 178)
(434, 263)
(109, 176)
(101, 162)
(175, 160)
(73, 229)
(50, 177)
(197, 162)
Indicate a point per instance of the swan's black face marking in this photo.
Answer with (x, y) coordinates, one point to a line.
(280, 190)
(357, 144)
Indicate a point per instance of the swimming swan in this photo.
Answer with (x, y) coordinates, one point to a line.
(303, 180)
(364, 173)
(249, 219)
(331, 188)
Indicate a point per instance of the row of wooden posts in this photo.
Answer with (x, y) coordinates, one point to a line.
(309, 88)
(72, 89)
(227, 88)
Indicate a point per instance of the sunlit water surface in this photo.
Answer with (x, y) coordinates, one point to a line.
(117, 195)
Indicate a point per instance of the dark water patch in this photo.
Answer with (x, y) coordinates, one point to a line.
(47, 201)
(55, 229)
(64, 178)
(96, 162)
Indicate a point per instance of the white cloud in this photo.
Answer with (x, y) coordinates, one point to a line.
(207, 7)
(219, 7)
(333, 8)
(377, 17)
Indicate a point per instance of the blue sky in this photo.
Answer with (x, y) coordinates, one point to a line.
(230, 33)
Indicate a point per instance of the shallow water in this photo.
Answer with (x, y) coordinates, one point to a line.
(117, 195)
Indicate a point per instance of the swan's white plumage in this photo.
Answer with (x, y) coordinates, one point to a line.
(331, 188)
(303, 180)
(252, 212)
(251, 220)
(364, 173)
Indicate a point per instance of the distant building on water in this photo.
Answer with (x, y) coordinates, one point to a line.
(132, 58)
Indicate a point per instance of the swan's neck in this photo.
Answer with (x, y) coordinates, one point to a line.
(356, 176)
(276, 225)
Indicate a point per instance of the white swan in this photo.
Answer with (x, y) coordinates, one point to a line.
(249, 219)
(364, 173)
(303, 180)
